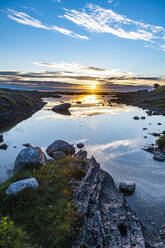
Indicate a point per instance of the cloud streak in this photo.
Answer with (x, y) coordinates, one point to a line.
(25, 19)
(96, 19)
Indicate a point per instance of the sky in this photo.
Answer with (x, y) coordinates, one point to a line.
(103, 44)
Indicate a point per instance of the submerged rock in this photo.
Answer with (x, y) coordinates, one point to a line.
(136, 118)
(61, 107)
(127, 186)
(108, 221)
(30, 157)
(58, 146)
(18, 186)
(3, 146)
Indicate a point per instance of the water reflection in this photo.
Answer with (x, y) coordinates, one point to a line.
(109, 133)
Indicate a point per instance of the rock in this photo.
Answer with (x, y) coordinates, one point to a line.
(145, 128)
(30, 157)
(127, 186)
(143, 117)
(145, 137)
(61, 107)
(163, 132)
(1, 138)
(156, 113)
(155, 134)
(108, 221)
(159, 124)
(27, 145)
(80, 145)
(58, 155)
(78, 102)
(3, 146)
(58, 146)
(82, 155)
(149, 112)
(136, 118)
(159, 155)
(20, 185)
(149, 148)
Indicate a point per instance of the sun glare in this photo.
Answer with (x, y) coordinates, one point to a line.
(93, 86)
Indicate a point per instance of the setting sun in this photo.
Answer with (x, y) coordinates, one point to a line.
(93, 86)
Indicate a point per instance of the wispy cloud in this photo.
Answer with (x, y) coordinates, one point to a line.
(25, 19)
(100, 20)
(78, 69)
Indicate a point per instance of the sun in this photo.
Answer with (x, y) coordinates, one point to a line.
(93, 86)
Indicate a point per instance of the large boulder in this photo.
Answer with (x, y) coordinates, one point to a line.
(30, 157)
(58, 146)
(3, 146)
(20, 185)
(61, 107)
(58, 155)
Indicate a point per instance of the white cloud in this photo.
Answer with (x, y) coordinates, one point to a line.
(85, 70)
(100, 20)
(25, 19)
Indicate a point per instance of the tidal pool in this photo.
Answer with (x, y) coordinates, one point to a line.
(110, 134)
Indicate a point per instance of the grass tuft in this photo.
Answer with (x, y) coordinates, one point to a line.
(47, 214)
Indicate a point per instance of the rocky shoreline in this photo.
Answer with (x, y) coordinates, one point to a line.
(106, 218)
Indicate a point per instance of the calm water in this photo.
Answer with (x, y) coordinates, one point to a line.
(110, 134)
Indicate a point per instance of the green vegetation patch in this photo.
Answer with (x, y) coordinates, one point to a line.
(47, 214)
(160, 89)
(161, 142)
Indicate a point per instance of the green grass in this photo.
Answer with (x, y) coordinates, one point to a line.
(160, 89)
(46, 214)
(161, 142)
(8, 99)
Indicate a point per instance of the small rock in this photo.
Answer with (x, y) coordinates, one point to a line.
(143, 117)
(3, 146)
(149, 148)
(30, 157)
(58, 155)
(57, 96)
(78, 102)
(1, 138)
(60, 145)
(61, 107)
(127, 186)
(145, 137)
(155, 134)
(163, 132)
(80, 145)
(20, 185)
(27, 145)
(159, 124)
(136, 118)
(149, 112)
(145, 128)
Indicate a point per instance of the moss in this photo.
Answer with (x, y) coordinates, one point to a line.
(46, 214)
(161, 142)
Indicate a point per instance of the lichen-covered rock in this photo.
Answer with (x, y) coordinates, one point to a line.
(127, 186)
(60, 145)
(29, 157)
(20, 185)
(61, 107)
(108, 221)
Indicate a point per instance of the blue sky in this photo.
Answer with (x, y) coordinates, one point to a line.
(97, 39)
